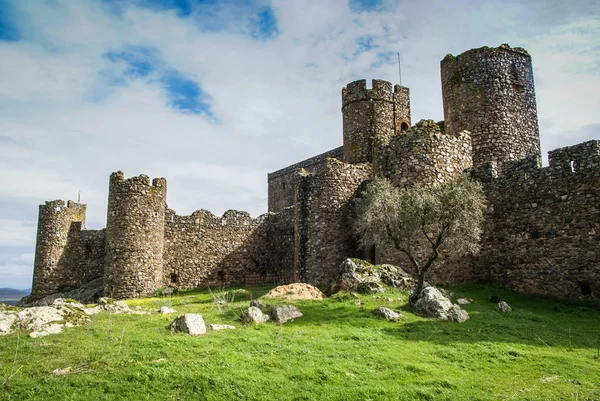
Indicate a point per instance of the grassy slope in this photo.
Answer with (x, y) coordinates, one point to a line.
(337, 351)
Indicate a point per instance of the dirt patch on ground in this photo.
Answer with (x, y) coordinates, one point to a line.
(292, 292)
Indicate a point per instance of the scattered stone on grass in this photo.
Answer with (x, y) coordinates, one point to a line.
(296, 291)
(189, 323)
(387, 314)
(264, 307)
(282, 314)
(361, 276)
(503, 307)
(464, 301)
(254, 315)
(217, 327)
(431, 303)
(165, 310)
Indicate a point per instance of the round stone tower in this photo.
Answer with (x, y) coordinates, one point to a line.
(368, 113)
(134, 236)
(490, 93)
(57, 234)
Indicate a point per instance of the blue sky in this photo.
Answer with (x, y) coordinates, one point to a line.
(215, 94)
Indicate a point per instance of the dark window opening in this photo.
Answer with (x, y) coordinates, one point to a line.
(572, 165)
(284, 185)
(585, 288)
(173, 278)
(88, 251)
(221, 275)
(404, 127)
(535, 234)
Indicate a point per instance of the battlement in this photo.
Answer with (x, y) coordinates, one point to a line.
(205, 218)
(583, 158)
(140, 180)
(381, 90)
(488, 51)
(58, 206)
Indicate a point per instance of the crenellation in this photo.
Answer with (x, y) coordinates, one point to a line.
(541, 230)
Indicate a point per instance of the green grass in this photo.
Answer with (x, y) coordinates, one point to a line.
(543, 350)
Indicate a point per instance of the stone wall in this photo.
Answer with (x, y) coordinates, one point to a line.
(422, 155)
(324, 214)
(134, 236)
(543, 225)
(369, 113)
(490, 93)
(57, 241)
(282, 182)
(203, 250)
(279, 248)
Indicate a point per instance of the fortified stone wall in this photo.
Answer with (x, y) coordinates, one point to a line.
(282, 182)
(490, 93)
(422, 155)
(57, 241)
(135, 230)
(324, 213)
(280, 237)
(203, 250)
(370, 113)
(543, 225)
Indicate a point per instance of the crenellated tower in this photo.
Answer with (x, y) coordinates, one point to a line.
(490, 93)
(368, 113)
(134, 236)
(55, 255)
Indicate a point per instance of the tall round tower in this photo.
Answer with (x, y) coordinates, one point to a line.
(134, 236)
(57, 238)
(490, 92)
(368, 113)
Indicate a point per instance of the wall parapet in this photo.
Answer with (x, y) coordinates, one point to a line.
(333, 153)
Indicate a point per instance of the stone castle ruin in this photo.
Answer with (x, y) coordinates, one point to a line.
(541, 233)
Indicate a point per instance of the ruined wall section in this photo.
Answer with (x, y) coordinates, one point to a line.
(543, 225)
(370, 113)
(324, 214)
(281, 182)
(134, 236)
(424, 154)
(490, 92)
(203, 250)
(280, 243)
(58, 233)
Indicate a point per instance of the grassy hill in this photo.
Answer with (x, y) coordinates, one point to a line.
(543, 350)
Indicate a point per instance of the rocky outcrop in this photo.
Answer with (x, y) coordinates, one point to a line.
(86, 294)
(361, 276)
(431, 303)
(190, 323)
(282, 314)
(503, 307)
(254, 315)
(388, 314)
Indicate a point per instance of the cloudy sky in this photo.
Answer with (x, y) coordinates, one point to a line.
(215, 94)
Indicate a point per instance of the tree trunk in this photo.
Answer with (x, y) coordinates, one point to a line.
(414, 296)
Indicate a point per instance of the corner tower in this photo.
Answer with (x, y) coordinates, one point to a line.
(57, 237)
(369, 113)
(490, 93)
(135, 229)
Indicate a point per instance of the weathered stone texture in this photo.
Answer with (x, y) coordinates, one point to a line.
(56, 262)
(205, 250)
(422, 155)
(370, 113)
(543, 225)
(324, 216)
(490, 93)
(282, 182)
(134, 236)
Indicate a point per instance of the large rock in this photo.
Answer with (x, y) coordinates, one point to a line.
(254, 315)
(190, 323)
(282, 314)
(6, 323)
(361, 276)
(217, 327)
(87, 294)
(503, 307)
(431, 303)
(387, 314)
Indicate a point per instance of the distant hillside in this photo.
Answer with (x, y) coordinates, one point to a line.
(11, 296)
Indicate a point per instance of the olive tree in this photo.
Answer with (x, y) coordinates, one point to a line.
(422, 222)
